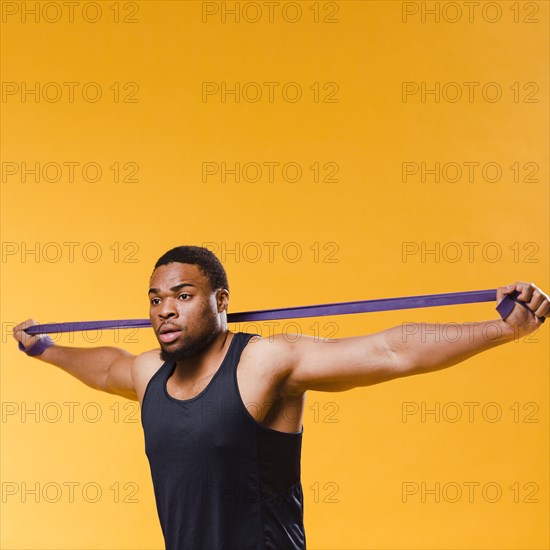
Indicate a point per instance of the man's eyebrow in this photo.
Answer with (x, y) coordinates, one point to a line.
(173, 289)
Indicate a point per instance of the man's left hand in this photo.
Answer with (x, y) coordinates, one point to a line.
(524, 320)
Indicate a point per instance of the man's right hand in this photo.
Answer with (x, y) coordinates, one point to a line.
(27, 340)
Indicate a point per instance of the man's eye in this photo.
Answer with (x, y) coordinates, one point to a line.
(155, 301)
(184, 294)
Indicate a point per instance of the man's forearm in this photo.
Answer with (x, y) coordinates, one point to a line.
(90, 365)
(426, 347)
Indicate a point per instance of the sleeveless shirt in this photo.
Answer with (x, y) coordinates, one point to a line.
(222, 480)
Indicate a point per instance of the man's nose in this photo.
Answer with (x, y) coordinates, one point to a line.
(167, 309)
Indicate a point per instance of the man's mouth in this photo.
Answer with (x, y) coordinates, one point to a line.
(168, 334)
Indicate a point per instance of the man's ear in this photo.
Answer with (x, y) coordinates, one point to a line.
(222, 299)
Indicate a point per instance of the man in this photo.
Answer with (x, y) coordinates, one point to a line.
(224, 456)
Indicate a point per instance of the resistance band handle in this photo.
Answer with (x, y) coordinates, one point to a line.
(509, 301)
(41, 345)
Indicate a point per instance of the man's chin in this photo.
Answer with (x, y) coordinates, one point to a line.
(174, 354)
(181, 351)
(187, 349)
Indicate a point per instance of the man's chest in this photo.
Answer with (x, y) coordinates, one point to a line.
(256, 386)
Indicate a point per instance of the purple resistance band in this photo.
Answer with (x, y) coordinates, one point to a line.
(363, 306)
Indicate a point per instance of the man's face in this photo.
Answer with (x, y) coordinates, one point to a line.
(183, 310)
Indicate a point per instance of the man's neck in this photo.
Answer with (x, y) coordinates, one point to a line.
(207, 361)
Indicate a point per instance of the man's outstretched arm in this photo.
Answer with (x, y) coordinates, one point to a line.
(104, 368)
(412, 348)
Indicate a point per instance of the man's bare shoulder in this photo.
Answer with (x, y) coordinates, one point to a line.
(149, 357)
(274, 352)
(270, 360)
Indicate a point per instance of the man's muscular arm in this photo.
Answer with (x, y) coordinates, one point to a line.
(107, 369)
(402, 350)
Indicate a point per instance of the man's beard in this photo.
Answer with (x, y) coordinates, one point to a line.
(187, 350)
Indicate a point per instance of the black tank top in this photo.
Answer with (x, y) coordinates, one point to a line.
(222, 481)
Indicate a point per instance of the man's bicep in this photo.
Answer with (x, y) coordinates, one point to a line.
(119, 379)
(339, 365)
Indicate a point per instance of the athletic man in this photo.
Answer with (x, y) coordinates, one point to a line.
(224, 456)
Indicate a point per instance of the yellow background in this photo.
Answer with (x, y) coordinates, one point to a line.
(353, 467)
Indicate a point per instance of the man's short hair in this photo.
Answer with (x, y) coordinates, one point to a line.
(197, 255)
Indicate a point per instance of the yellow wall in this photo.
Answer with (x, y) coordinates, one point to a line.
(148, 160)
